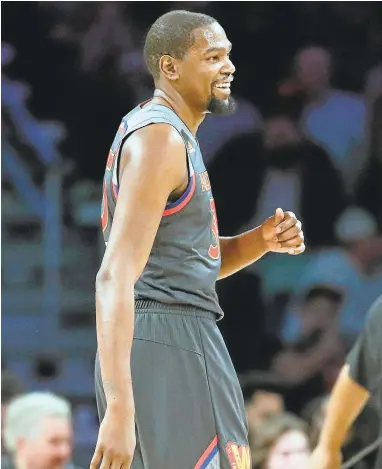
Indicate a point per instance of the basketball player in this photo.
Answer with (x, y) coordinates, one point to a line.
(167, 392)
(359, 379)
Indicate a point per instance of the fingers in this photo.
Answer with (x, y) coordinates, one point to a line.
(286, 235)
(96, 458)
(127, 464)
(297, 251)
(291, 233)
(111, 462)
(288, 223)
(279, 216)
(296, 247)
(117, 463)
(106, 461)
(293, 242)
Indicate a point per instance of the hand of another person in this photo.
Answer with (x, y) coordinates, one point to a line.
(282, 233)
(116, 440)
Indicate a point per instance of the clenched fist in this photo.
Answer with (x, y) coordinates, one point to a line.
(283, 233)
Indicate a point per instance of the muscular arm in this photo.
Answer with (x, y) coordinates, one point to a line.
(241, 251)
(280, 233)
(153, 164)
(346, 402)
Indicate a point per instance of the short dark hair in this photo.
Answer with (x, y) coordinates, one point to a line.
(323, 291)
(172, 34)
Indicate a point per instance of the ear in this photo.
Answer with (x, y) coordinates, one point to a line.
(169, 67)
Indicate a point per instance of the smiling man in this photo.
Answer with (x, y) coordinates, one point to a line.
(167, 392)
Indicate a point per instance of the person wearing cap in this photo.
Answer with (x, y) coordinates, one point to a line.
(354, 270)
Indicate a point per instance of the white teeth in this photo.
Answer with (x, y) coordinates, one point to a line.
(223, 85)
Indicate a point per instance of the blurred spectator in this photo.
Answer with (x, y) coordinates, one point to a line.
(7, 54)
(314, 414)
(262, 404)
(311, 364)
(38, 432)
(11, 387)
(243, 305)
(235, 180)
(355, 271)
(294, 173)
(332, 118)
(280, 442)
(373, 85)
(290, 172)
(98, 29)
(318, 313)
(216, 130)
(108, 38)
(369, 187)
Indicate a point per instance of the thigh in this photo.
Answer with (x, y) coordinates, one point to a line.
(227, 400)
(189, 405)
(174, 413)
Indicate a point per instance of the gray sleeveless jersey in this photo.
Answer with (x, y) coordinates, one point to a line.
(184, 262)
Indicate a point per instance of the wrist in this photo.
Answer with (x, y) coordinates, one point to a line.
(259, 232)
(120, 398)
(125, 405)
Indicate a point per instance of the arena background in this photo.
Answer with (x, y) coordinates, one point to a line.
(307, 137)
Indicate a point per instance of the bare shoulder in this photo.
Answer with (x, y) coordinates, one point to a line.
(159, 144)
(154, 165)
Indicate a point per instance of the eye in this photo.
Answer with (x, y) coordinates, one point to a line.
(215, 58)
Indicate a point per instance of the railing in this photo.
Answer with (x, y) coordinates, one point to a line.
(44, 203)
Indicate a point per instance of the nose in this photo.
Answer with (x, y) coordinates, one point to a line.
(228, 67)
(64, 450)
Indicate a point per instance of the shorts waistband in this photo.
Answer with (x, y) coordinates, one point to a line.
(146, 306)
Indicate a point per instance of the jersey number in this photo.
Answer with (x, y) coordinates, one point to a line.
(214, 249)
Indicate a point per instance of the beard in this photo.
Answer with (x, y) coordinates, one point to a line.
(221, 107)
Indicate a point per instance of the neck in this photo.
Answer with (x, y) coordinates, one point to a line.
(172, 99)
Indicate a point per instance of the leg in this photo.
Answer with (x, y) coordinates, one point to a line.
(175, 420)
(189, 405)
(227, 400)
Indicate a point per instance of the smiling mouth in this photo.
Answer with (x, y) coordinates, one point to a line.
(223, 86)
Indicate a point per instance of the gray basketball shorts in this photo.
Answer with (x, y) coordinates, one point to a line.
(189, 406)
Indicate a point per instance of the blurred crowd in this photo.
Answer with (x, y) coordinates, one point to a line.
(307, 136)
